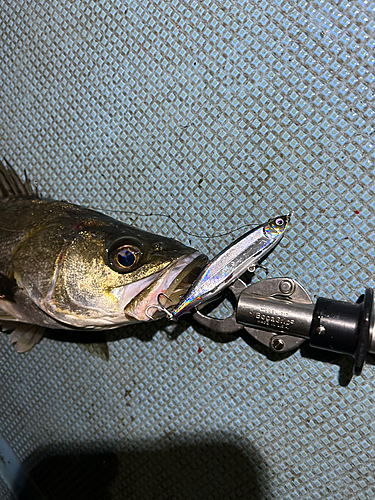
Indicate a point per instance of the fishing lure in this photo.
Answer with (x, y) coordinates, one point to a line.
(242, 254)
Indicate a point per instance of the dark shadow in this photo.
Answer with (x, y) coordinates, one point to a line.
(146, 332)
(345, 363)
(203, 470)
(73, 477)
(96, 342)
(142, 331)
(265, 351)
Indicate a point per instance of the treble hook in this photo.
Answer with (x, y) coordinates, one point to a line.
(160, 307)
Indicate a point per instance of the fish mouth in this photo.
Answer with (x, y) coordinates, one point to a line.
(174, 282)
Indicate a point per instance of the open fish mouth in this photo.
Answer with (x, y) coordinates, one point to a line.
(173, 282)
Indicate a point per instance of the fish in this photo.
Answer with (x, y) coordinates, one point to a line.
(63, 266)
(244, 253)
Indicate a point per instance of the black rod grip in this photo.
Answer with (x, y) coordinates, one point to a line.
(335, 326)
(343, 327)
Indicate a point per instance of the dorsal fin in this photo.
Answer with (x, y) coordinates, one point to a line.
(11, 184)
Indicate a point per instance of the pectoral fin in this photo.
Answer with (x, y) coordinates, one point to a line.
(23, 336)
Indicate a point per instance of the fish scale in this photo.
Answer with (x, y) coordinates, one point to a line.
(60, 266)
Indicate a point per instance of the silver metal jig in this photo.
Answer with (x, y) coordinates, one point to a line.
(223, 270)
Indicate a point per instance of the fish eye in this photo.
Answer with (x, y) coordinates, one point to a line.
(124, 258)
(279, 222)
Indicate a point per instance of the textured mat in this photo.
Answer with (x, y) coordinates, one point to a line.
(218, 113)
(4, 492)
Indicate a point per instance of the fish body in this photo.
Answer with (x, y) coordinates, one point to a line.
(232, 262)
(68, 267)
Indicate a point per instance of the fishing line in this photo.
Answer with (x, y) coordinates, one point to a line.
(168, 216)
(151, 214)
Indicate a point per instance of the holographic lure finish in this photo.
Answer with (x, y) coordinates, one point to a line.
(232, 262)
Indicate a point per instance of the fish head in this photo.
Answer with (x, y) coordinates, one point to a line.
(101, 273)
(275, 228)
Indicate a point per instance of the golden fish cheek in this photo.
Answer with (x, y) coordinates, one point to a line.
(56, 253)
(89, 289)
(65, 273)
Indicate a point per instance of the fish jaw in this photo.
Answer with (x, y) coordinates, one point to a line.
(173, 282)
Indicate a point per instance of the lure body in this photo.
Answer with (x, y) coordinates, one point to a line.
(232, 262)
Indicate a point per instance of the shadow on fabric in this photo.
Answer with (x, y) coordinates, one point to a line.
(202, 471)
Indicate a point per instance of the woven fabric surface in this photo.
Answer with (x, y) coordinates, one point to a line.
(5, 494)
(205, 115)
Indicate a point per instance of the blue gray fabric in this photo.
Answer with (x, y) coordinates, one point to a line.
(218, 113)
(5, 493)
